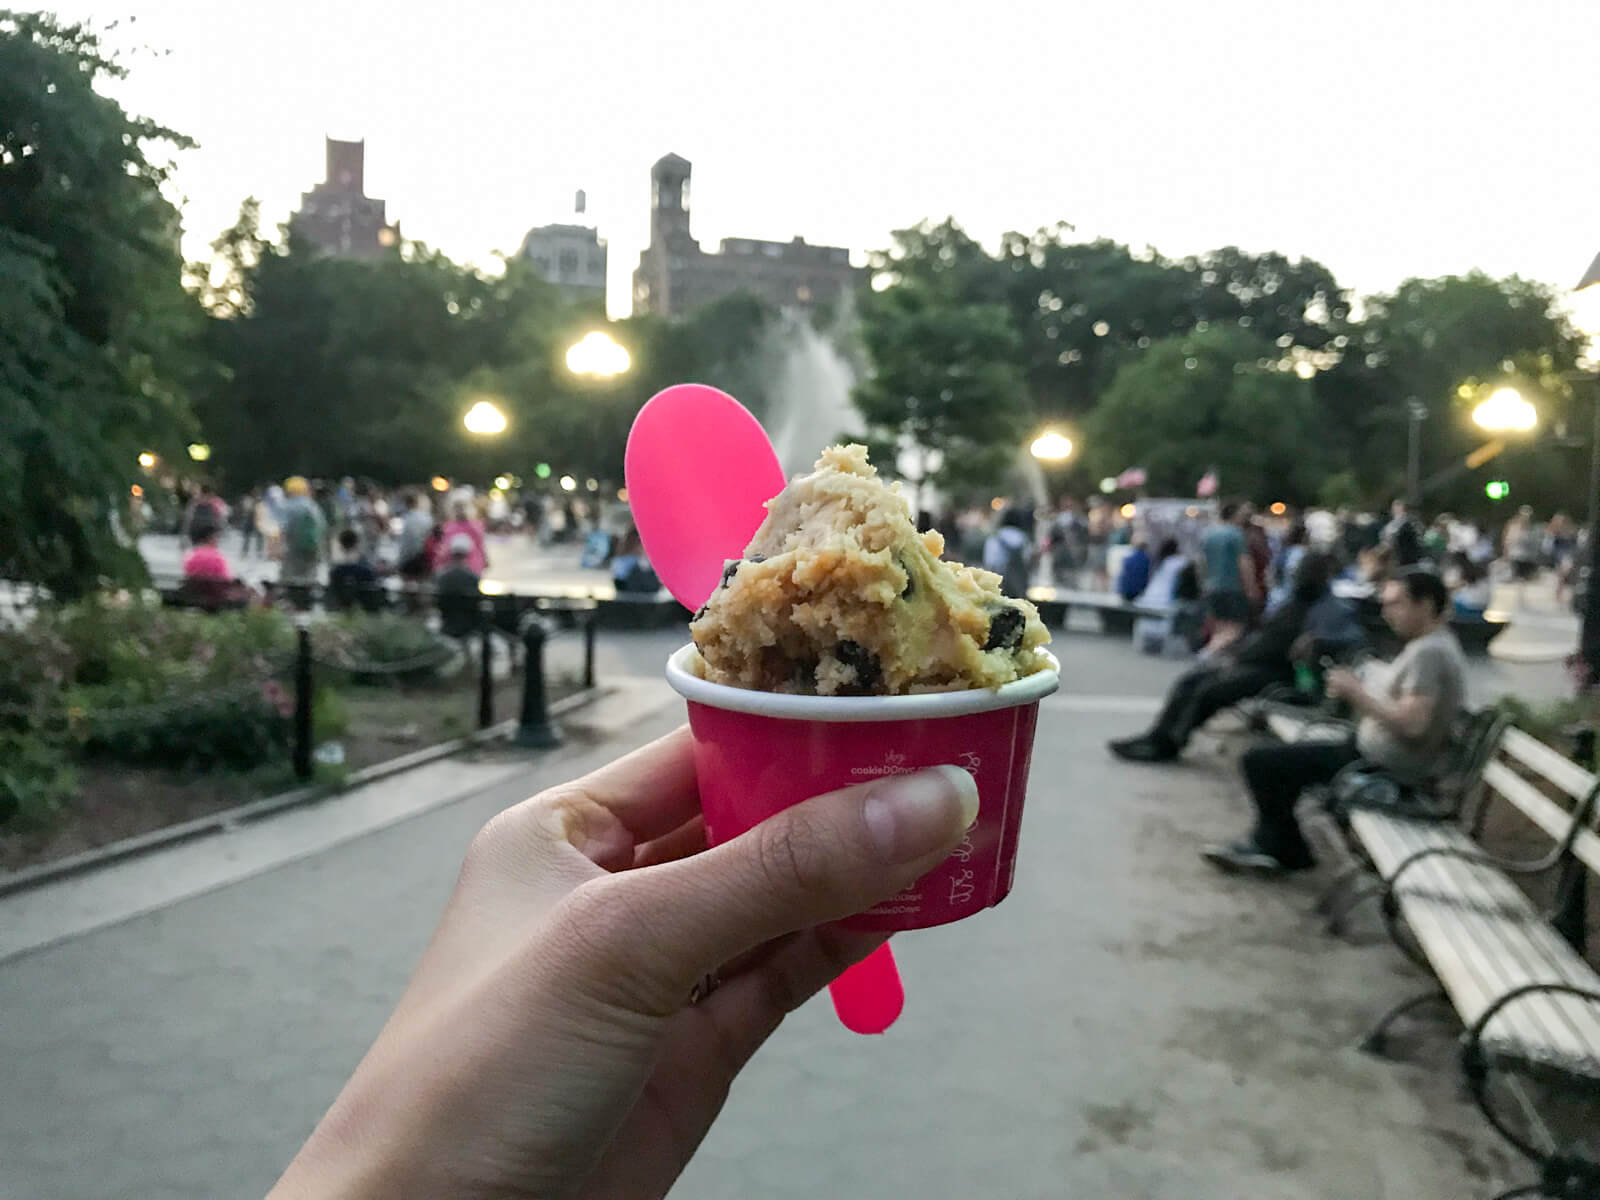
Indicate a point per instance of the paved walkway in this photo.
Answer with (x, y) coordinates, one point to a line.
(1127, 1024)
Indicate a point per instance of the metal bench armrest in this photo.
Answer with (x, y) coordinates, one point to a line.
(1481, 858)
(1475, 1065)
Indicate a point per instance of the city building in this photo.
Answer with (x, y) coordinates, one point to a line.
(573, 257)
(675, 276)
(337, 216)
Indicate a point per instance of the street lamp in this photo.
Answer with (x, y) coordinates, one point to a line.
(596, 355)
(1051, 447)
(1506, 412)
(484, 419)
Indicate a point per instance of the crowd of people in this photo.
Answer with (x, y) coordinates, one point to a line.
(361, 536)
(1292, 606)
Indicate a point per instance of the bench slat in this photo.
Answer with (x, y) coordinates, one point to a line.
(1563, 772)
(1479, 958)
(1534, 953)
(1528, 800)
(1542, 811)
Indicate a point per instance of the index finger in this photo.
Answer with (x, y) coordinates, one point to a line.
(652, 791)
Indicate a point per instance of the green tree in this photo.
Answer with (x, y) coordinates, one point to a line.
(1219, 399)
(1446, 341)
(95, 328)
(944, 384)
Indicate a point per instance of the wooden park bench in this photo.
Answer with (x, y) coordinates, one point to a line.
(1516, 976)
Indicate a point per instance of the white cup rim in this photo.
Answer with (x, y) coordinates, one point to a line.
(1028, 690)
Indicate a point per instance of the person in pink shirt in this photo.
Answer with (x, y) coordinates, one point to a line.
(206, 561)
(461, 523)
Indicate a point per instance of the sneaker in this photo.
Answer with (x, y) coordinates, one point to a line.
(1245, 855)
(1144, 748)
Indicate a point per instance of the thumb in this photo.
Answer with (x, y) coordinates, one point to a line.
(662, 928)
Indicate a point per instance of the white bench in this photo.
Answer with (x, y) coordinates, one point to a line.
(1528, 999)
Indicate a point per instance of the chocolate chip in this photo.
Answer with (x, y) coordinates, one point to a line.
(731, 567)
(1005, 629)
(865, 664)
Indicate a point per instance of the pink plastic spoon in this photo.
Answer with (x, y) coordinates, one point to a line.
(699, 471)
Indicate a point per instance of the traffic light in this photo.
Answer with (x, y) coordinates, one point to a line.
(1497, 489)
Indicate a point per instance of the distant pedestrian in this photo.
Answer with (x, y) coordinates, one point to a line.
(207, 561)
(353, 580)
(1007, 551)
(304, 528)
(1133, 576)
(205, 514)
(463, 525)
(1228, 575)
(456, 589)
(1523, 544)
(1402, 536)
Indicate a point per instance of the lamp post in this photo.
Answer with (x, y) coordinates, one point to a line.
(484, 421)
(1588, 320)
(1416, 413)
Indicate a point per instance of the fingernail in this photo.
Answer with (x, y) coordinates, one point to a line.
(908, 816)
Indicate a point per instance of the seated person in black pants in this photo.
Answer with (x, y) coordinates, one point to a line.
(1405, 716)
(1247, 667)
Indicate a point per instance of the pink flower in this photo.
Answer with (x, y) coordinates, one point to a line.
(274, 695)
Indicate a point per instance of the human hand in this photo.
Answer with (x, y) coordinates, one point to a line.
(1342, 684)
(547, 1045)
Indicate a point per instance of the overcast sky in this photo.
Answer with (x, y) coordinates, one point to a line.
(1386, 139)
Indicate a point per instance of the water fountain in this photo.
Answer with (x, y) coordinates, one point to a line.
(809, 401)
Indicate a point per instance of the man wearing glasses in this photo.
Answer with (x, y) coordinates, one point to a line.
(1404, 716)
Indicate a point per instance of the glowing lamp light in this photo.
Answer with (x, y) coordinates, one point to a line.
(568, 483)
(1051, 447)
(997, 503)
(199, 451)
(1278, 508)
(1506, 412)
(503, 482)
(597, 355)
(1108, 484)
(147, 460)
(439, 483)
(622, 494)
(1127, 511)
(484, 419)
(137, 491)
(592, 484)
(1497, 489)
(542, 470)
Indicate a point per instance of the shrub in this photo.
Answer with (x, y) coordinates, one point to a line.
(381, 649)
(1552, 721)
(35, 779)
(132, 681)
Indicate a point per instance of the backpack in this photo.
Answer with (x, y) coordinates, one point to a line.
(302, 536)
(1014, 579)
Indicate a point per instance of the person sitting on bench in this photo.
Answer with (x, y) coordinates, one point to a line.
(1243, 669)
(1405, 717)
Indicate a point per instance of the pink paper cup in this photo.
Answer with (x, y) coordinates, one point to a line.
(757, 753)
